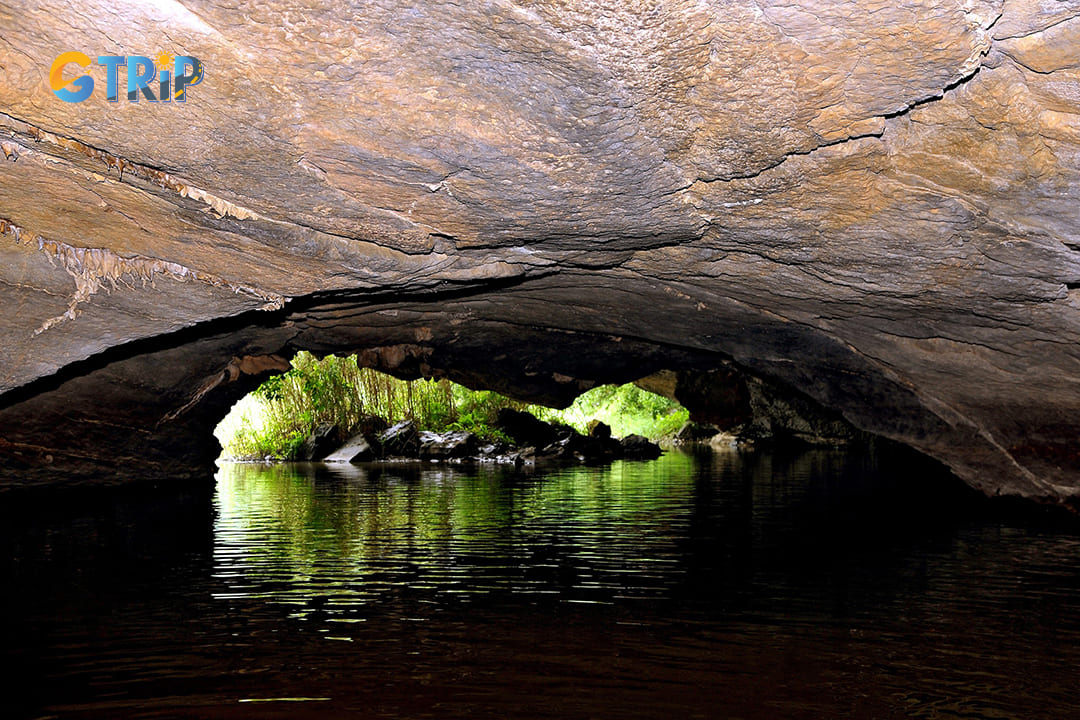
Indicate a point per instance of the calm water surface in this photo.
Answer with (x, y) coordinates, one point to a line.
(813, 585)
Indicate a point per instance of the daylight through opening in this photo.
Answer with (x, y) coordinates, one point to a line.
(333, 408)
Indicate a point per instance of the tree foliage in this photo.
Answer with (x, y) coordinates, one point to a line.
(627, 409)
(276, 419)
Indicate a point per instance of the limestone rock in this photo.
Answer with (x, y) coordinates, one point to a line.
(872, 204)
(356, 449)
(320, 443)
(400, 440)
(525, 428)
(636, 447)
(693, 433)
(448, 446)
(599, 430)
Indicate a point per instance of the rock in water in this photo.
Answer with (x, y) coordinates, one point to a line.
(357, 449)
(599, 430)
(448, 446)
(371, 426)
(692, 433)
(525, 428)
(401, 440)
(323, 441)
(636, 447)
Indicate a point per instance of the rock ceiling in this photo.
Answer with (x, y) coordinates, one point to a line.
(874, 203)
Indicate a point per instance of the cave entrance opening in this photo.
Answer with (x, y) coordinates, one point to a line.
(319, 405)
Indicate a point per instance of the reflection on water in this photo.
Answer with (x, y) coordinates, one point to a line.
(820, 584)
(351, 537)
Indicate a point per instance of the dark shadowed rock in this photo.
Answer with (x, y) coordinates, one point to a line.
(599, 430)
(323, 441)
(494, 451)
(692, 433)
(526, 429)
(636, 447)
(594, 448)
(401, 440)
(370, 426)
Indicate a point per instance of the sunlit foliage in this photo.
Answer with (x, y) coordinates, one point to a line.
(284, 411)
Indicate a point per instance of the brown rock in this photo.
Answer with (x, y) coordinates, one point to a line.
(873, 203)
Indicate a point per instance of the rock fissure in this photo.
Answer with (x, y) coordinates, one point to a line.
(95, 269)
(155, 176)
(167, 181)
(1042, 29)
(758, 172)
(965, 76)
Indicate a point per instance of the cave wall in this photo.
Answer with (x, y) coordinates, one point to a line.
(875, 204)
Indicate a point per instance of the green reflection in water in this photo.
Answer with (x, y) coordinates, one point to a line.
(327, 538)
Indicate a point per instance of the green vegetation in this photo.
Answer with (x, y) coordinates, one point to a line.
(275, 420)
(628, 409)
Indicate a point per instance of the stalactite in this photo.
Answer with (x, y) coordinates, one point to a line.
(96, 268)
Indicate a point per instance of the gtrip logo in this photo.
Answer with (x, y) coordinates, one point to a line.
(170, 76)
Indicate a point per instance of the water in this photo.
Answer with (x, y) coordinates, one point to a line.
(813, 585)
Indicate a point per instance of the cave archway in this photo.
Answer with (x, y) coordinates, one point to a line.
(148, 410)
(561, 205)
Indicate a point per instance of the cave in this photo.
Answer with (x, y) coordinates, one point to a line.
(835, 219)
(154, 401)
(874, 208)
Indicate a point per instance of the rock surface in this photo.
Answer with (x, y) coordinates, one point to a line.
(356, 449)
(400, 440)
(539, 442)
(323, 441)
(875, 204)
(636, 447)
(526, 429)
(448, 446)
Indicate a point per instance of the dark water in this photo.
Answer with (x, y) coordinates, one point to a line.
(815, 585)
